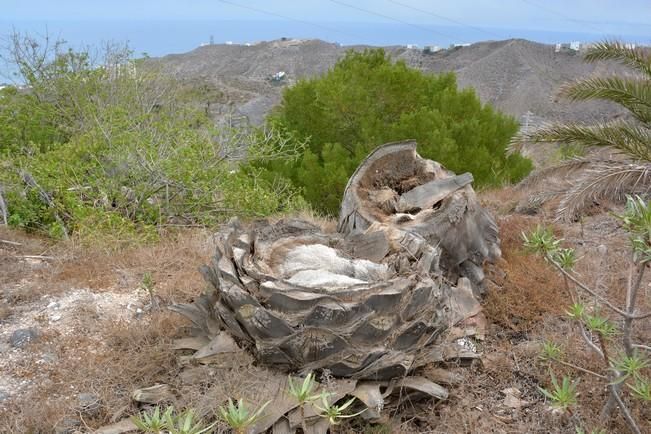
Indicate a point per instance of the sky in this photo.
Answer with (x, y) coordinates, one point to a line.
(165, 26)
(545, 14)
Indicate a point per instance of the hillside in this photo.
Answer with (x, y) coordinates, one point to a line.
(515, 75)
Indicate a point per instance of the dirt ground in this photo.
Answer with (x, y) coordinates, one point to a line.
(98, 334)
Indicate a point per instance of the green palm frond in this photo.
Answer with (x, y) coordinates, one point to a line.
(631, 139)
(636, 58)
(604, 180)
(630, 93)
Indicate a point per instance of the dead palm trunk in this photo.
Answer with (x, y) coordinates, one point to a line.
(391, 291)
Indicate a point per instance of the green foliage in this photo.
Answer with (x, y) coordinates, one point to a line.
(239, 417)
(580, 430)
(631, 366)
(565, 257)
(577, 311)
(563, 395)
(185, 423)
(170, 422)
(26, 124)
(303, 392)
(154, 422)
(550, 351)
(541, 240)
(367, 100)
(630, 136)
(120, 150)
(637, 221)
(334, 413)
(641, 389)
(600, 325)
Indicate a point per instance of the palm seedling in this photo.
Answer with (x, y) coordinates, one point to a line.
(239, 417)
(186, 423)
(154, 422)
(562, 395)
(303, 393)
(334, 413)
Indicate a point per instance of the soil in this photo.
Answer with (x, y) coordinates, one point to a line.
(100, 333)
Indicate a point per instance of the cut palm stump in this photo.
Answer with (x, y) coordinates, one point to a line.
(393, 290)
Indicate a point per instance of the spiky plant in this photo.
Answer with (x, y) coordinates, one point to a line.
(604, 179)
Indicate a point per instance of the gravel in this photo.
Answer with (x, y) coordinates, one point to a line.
(21, 337)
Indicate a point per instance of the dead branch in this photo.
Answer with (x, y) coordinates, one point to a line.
(3, 207)
(49, 258)
(11, 243)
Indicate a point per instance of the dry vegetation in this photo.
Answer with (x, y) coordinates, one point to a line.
(103, 346)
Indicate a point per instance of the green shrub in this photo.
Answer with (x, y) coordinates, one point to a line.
(121, 150)
(367, 100)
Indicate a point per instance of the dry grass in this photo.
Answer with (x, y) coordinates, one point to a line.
(173, 263)
(525, 307)
(132, 355)
(523, 284)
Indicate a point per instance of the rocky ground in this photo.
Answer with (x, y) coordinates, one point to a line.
(79, 333)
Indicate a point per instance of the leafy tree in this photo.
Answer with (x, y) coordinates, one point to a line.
(367, 100)
(111, 145)
(595, 179)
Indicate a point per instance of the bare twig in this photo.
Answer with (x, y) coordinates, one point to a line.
(631, 294)
(597, 296)
(587, 371)
(614, 392)
(11, 243)
(3, 208)
(591, 344)
(35, 257)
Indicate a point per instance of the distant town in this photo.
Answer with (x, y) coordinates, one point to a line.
(559, 47)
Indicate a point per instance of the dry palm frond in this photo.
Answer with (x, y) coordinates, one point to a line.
(538, 198)
(604, 180)
(629, 138)
(635, 58)
(561, 170)
(632, 94)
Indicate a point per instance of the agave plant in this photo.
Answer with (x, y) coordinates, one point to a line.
(595, 179)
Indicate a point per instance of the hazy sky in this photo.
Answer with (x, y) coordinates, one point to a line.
(160, 27)
(609, 16)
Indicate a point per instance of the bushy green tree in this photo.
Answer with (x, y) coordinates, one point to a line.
(367, 100)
